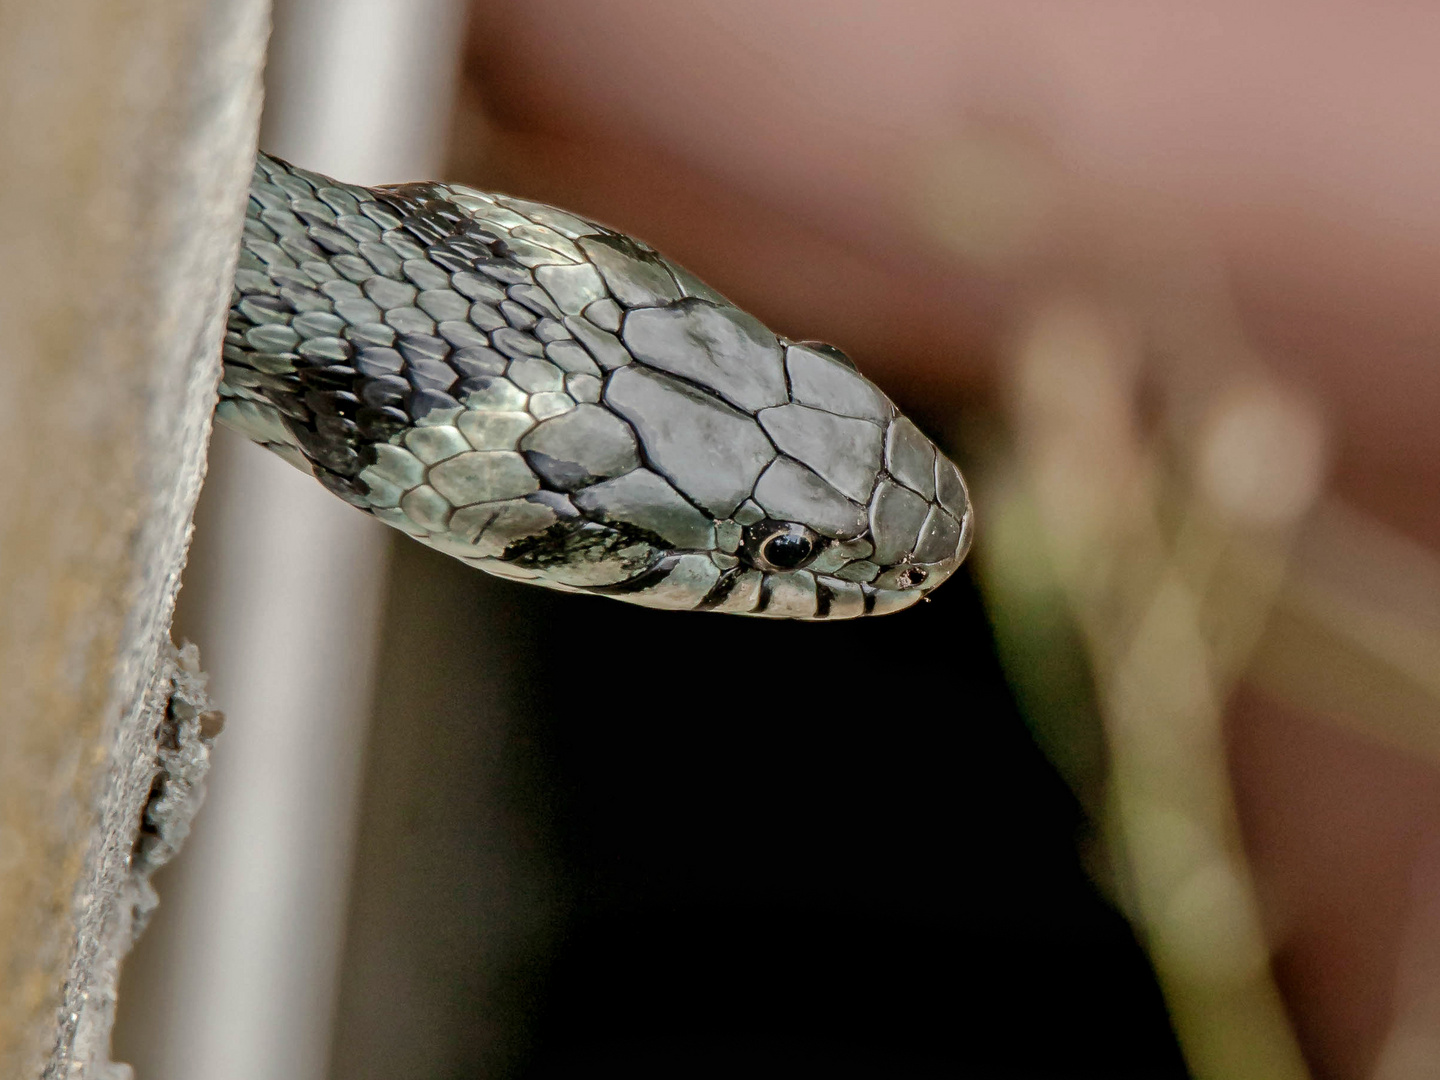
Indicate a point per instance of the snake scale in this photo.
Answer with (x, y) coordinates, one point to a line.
(555, 402)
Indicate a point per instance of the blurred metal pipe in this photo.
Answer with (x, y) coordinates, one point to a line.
(290, 583)
(363, 89)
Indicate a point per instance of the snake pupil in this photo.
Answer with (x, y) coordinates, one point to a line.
(780, 545)
(788, 550)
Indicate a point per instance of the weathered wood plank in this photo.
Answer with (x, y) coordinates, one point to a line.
(127, 130)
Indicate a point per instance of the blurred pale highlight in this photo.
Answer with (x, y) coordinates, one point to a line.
(1262, 456)
(987, 196)
(1185, 520)
(1148, 568)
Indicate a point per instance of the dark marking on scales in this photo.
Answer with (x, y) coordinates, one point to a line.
(648, 579)
(721, 590)
(566, 541)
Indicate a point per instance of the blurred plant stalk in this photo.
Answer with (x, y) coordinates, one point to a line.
(1181, 525)
(1157, 509)
(1154, 529)
(1167, 541)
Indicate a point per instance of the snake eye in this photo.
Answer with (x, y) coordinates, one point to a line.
(788, 550)
(776, 545)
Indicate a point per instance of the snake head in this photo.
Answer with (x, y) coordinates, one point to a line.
(552, 401)
(822, 502)
(731, 470)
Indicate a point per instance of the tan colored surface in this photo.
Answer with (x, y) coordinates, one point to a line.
(127, 130)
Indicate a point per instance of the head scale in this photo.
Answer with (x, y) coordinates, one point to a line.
(552, 401)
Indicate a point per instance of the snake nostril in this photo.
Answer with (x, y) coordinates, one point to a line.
(911, 577)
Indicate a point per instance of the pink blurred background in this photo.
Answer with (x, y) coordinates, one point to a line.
(789, 153)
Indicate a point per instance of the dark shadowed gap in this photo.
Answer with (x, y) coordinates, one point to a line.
(671, 844)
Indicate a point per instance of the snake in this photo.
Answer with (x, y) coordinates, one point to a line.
(552, 401)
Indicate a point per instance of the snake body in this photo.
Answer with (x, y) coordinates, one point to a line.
(552, 401)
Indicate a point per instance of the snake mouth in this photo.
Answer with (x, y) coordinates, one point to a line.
(647, 578)
(688, 581)
(704, 596)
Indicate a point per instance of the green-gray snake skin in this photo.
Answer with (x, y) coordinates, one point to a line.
(552, 401)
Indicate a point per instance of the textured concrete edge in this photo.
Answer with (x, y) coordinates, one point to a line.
(196, 182)
(181, 724)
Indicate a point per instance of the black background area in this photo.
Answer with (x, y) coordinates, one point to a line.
(633, 842)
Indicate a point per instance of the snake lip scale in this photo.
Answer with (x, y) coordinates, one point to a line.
(555, 402)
